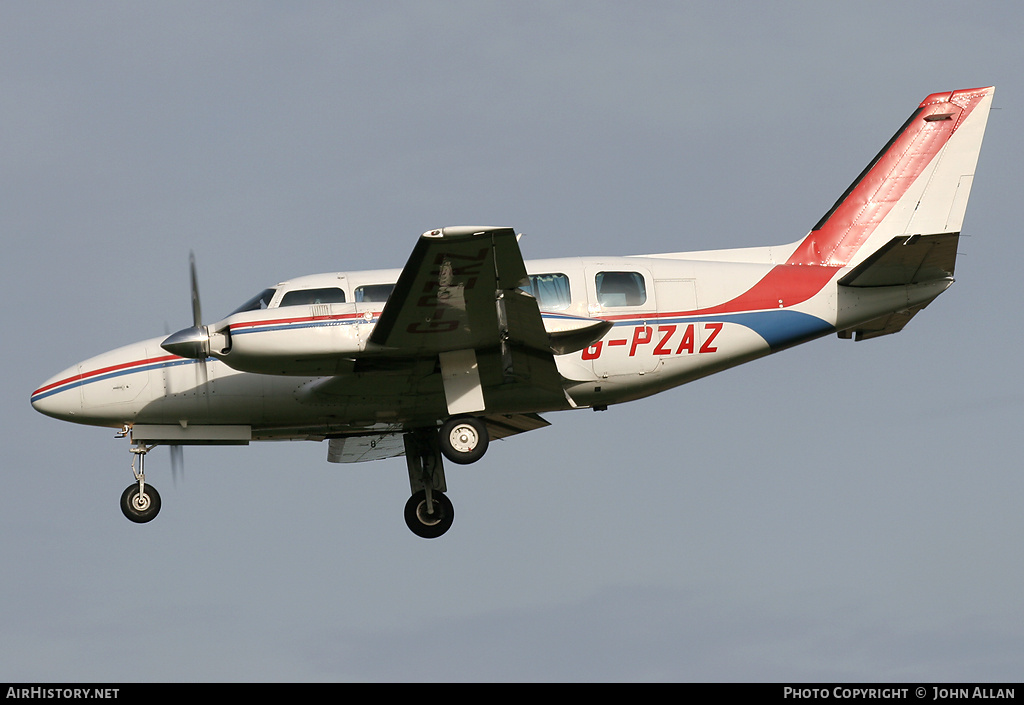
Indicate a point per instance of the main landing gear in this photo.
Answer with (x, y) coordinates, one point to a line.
(429, 517)
(463, 440)
(140, 502)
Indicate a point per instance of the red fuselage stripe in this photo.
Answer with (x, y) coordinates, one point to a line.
(105, 370)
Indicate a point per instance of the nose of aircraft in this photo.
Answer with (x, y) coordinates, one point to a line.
(60, 396)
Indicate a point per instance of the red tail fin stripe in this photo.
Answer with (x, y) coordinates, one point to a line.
(839, 235)
(850, 223)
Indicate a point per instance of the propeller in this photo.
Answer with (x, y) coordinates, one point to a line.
(177, 462)
(192, 342)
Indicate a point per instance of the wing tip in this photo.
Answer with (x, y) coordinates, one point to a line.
(464, 231)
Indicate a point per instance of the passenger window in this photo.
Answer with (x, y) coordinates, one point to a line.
(621, 289)
(550, 290)
(331, 295)
(373, 293)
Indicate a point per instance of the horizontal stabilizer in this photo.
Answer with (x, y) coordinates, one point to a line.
(886, 325)
(907, 260)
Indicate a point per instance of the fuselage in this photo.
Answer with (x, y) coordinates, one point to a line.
(675, 318)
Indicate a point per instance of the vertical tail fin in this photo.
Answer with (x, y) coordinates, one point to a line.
(917, 185)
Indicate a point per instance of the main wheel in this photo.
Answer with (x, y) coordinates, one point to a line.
(429, 525)
(463, 439)
(143, 507)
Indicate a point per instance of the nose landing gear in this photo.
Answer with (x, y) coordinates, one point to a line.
(140, 502)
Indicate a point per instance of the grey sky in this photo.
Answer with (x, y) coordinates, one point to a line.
(841, 511)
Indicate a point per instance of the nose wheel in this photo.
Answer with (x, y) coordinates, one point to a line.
(140, 502)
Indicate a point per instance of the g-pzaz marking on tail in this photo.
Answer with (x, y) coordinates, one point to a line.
(469, 343)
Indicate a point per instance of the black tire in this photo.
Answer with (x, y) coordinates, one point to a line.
(429, 526)
(140, 511)
(463, 439)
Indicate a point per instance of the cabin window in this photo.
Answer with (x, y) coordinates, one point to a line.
(374, 293)
(550, 290)
(621, 289)
(261, 300)
(329, 295)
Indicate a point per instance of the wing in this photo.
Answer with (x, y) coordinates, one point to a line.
(458, 300)
(448, 293)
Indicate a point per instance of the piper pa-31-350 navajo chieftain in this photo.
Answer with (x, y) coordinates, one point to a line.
(469, 343)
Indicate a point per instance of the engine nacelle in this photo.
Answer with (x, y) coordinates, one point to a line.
(314, 340)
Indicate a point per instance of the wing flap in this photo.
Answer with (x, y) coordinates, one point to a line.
(505, 425)
(359, 449)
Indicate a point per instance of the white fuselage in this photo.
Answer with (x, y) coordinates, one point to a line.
(305, 359)
(675, 318)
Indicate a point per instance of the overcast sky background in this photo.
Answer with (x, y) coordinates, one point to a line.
(842, 511)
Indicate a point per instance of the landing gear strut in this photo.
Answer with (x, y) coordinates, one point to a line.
(140, 502)
(428, 513)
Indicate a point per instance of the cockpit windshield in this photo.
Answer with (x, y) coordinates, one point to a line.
(261, 300)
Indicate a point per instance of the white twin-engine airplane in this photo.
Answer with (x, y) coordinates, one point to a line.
(469, 343)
